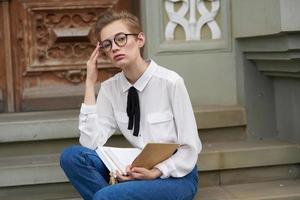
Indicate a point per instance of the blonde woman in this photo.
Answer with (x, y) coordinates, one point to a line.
(147, 103)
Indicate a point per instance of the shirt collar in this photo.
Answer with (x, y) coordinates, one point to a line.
(141, 83)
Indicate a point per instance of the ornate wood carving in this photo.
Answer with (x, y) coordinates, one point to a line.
(58, 38)
(51, 43)
(74, 76)
(63, 36)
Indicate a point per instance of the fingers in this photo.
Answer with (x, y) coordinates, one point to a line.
(94, 55)
(95, 50)
(92, 74)
(140, 170)
(121, 177)
(128, 168)
(143, 173)
(139, 173)
(94, 60)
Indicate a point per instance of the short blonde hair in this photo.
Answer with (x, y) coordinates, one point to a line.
(110, 16)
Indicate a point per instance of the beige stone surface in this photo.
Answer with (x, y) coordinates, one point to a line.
(275, 190)
(47, 125)
(241, 154)
(211, 178)
(213, 193)
(259, 174)
(225, 134)
(58, 191)
(219, 116)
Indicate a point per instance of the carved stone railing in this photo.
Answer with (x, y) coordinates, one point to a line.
(192, 26)
(185, 26)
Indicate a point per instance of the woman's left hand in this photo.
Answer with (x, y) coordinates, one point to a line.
(139, 173)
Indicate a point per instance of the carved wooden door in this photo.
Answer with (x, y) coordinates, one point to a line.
(44, 49)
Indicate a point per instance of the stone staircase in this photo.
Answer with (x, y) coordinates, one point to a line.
(231, 166)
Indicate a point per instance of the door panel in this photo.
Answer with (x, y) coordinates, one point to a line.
(2, 61)
(6, 68)
(52, 40)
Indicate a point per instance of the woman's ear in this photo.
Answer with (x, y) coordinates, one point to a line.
(141, 39)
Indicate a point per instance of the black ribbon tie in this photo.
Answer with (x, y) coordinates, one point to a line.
(133, 110)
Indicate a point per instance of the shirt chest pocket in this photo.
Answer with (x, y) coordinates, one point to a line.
(161, 126)
(122, 119)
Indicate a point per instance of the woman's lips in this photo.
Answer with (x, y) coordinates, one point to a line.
(119, 57)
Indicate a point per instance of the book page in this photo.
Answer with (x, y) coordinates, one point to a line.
(117, 158)
(106, 160)
(122, 157)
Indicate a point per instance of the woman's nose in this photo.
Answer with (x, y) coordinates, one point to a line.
(114, 46)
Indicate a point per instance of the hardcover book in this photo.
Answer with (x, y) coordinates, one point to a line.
(119, 158)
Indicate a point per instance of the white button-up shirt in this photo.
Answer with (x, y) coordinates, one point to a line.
(166, 115)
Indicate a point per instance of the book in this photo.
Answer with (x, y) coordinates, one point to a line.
(117, 159)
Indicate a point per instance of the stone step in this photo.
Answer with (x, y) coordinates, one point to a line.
(38, 163)
(38, 169)
(25, 148)
(272, 190)
(57, 191)
(249, 175)
(26, 170)
(208, 117)
(33, 126)
(242, 154)
(50, 125)
(22, 148)
(224, 134)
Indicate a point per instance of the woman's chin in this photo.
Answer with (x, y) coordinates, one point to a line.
(120, 64)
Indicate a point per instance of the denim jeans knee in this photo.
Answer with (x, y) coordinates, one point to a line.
(68, 154)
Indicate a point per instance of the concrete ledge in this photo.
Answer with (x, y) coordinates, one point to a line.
(219, 116)
(37, 169)
(57, 191)
(32, 126)
(274, 190)
(249, 175)
(26, 170)
(242, 154)
(38, 125)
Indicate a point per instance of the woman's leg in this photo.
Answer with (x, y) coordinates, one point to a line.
(85, 170)
(183, 188)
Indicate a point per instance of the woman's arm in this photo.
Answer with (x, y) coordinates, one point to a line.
(91, 77)
(96, 119)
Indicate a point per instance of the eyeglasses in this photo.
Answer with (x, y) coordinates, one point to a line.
(120, 39)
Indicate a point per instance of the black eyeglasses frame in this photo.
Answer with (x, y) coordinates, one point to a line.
(115, 41)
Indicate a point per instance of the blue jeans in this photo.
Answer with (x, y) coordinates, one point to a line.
(88, 174)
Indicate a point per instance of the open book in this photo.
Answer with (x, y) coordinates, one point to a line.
(119, 158)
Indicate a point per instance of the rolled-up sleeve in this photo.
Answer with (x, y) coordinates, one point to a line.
(96, 122)
(185, 159)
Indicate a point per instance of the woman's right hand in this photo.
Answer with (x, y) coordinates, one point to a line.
(92, 72)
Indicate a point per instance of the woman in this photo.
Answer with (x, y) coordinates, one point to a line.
(147, 103)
